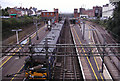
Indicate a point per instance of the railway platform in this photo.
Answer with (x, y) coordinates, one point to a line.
(90, 66)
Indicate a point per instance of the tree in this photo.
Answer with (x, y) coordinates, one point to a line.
(114, 23)
(5, 11)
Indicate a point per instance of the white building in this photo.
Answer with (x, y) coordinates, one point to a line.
(107, 11)
(33, 12)
(83, 16)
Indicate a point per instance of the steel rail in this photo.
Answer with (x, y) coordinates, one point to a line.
(118, 53)
(13, 45)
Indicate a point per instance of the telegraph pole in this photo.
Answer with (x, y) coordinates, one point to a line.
(36, 24)
(101, 71)
(47, 58)
(83, 31)
(103, 54)
(17, 34)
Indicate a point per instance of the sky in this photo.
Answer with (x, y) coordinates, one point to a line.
(64, 6)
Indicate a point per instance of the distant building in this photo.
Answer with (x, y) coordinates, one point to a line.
(90, 13)
(86, 13)
(14, 12)
(23, 11)
(97, 11)
(18, 12)
(38, 13)
(76, 14)
(107, 11)
(32, 11)
(82, 11)
(56, 14)
(83, 16)
(49, 15)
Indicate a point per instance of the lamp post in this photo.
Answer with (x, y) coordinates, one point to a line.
(17, 34)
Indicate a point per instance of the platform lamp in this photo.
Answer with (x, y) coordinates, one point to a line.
(16, 30)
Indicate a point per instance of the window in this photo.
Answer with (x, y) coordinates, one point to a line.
(44, 13)
(96, 11)
(51, 13)
(47, 13)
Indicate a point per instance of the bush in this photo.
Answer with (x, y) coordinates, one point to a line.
(114, 23)
(14, 23)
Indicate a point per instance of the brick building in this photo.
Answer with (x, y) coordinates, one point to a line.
(97, 11)
(18, 12)
(86, 13)
(90, 13)
(76, 14)
(56, 14)
(14, 12)
(82, 11)
(49, 15)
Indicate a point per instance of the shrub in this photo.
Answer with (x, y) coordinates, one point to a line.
(14, 23)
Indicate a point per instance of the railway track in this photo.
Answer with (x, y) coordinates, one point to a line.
(70, 69)
(112, 62)
(7, 49)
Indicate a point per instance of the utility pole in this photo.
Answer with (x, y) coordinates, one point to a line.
(31, 49)
(103, 54)
(83, 31)
(47, 58)
(101, 71)
(17, 34)
(36, 24)
(90, 53)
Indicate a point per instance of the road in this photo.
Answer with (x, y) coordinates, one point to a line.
(14, 64)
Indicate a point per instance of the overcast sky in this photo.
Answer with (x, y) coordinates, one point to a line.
(64, 6)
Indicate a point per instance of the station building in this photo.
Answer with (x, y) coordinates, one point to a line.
(49, 15)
